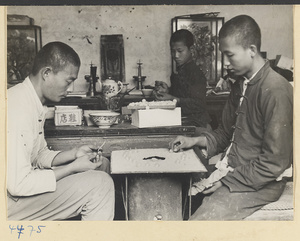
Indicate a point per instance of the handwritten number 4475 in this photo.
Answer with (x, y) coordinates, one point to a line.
(20, 229)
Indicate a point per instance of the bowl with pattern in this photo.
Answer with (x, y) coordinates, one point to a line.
(104, 119)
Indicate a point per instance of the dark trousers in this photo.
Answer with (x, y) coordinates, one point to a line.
(226, 205)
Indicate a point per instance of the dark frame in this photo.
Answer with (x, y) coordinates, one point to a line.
(112, 57)
(207, 56)
(23, 43)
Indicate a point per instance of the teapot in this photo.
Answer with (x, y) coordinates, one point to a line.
(110, 87)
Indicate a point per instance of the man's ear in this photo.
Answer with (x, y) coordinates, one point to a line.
(253, 50)
(45, 72)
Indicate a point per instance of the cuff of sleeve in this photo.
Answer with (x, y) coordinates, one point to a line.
(47, 158)
(210, 146)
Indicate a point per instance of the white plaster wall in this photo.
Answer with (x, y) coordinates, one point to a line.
(146, 31)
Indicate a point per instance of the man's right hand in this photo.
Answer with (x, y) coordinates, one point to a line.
(181, 142)
(184, 142)
(81, 164)
(161, 87)
(84, 163)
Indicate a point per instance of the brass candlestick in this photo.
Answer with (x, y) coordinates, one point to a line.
(92, 79)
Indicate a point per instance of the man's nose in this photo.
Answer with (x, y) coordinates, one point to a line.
(226, 62)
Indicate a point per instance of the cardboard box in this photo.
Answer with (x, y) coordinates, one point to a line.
(156, 117)
(67, 116)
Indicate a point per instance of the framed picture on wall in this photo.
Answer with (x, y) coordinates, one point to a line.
(23, 43)
(205, 28)
(112, 57)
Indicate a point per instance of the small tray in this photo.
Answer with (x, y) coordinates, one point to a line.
(152, 105)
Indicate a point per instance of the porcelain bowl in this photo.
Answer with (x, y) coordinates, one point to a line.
(104, 119)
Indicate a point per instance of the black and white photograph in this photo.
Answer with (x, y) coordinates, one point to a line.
(149, 113)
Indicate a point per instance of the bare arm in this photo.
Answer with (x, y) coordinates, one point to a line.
(74, 161)
(80, 164)
(65, 157)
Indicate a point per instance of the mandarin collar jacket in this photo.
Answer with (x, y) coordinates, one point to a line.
(260, 130)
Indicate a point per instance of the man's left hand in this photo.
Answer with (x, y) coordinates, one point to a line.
(215, 186)
(85, 150)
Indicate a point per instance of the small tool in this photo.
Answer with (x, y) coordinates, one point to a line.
(175, 147)
(99, 148)
(177, 144)
(99, 151)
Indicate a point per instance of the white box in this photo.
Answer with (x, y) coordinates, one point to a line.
(68, 116)
(156, 117)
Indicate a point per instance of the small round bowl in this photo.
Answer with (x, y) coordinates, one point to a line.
(147, 92)
(104, 119)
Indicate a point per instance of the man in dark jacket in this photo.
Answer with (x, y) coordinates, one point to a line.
(255, 136)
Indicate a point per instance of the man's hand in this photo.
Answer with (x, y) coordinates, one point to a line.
(85, 150)
(84, 163)
(161, 87)
(81, 164)
(68, 156)
(215, 186)
(181, 142)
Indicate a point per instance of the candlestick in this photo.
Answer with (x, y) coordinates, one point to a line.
(139, 78)
(139, 68)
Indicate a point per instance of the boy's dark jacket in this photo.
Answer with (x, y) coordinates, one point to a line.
(262, 147)
(189, 84)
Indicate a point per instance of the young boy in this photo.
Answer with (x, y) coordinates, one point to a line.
(256, 133)
(188, 86)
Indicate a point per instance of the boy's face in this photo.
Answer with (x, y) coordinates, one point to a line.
(56, 84)
(180, 53)
(237, 58)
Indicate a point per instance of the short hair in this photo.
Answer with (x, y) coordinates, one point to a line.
(244, 29)
(56, 55)
(182, 35)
